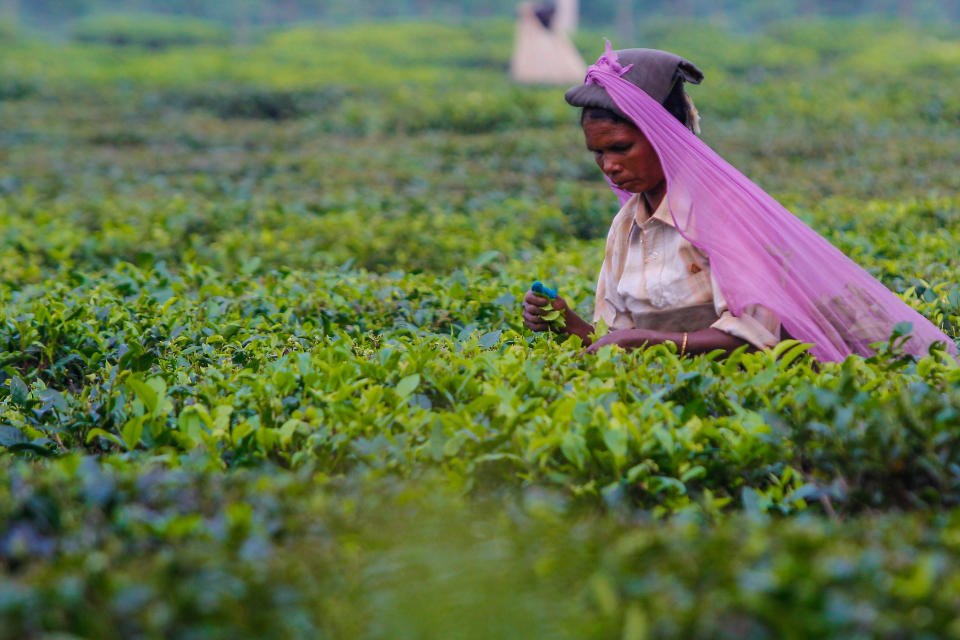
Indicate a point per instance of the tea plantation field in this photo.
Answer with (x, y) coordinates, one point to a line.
(264, 373)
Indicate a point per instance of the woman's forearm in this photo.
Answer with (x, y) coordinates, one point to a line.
(577, 326)
(702, 341)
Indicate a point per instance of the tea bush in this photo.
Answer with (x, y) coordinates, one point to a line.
(199, 553)
(150, 31)
(412, 372)
(15, 88)
(263, 373)
(255, 102)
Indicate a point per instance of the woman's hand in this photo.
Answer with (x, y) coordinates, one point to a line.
(533, 313)
(533, 310)
(627, 338)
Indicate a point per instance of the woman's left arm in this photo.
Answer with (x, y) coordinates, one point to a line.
(702, 341)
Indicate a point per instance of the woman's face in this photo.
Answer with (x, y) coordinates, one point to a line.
(624, 154)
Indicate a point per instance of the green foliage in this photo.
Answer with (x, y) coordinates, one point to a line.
(263, 371)
(254, 102)
(116, 549)
(742, 13)
(16, 88)
(8, 31)
(407, 372)
(150, 31)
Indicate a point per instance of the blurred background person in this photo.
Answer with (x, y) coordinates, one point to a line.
(543, 52)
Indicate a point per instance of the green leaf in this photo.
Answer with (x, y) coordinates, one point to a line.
(616, 441)
(437, 440)
(230, 330)
(635, 625)
(55, 399)
(159, 386)
(902, 329)
(604, 353)
(10, 435)
(666, 483)
(563, 410)
(240, 431)
(506, 300)
(792, 354)
(195, 422)
(40, 447)
(752, 502)
(600, 329)
(486, 257)
(574, 448)
(407, 385)
(97, 432)
(490, 339)
(146, 393)
(18, 391)
(250, 266)
(221, 416)
(696, 471)
(132, 431)
(288, 429)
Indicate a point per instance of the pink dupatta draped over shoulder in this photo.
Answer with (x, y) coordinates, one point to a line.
(760, 253)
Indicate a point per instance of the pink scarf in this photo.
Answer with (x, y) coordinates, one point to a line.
(759, 252)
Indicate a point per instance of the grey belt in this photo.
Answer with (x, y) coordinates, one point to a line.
(694, 318)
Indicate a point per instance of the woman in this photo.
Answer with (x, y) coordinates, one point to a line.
(699, 255)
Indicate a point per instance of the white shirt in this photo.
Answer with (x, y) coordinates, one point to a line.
(653, 278)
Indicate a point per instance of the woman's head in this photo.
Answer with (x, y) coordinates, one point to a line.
(622, 152)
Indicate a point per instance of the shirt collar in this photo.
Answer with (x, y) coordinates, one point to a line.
(662, 213)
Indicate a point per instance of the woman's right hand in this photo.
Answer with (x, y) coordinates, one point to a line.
(533, 313)
(533, 310)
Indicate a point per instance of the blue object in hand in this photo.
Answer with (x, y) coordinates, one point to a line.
(538, 288)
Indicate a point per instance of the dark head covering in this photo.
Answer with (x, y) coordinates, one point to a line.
(654, 71)
(545, 12)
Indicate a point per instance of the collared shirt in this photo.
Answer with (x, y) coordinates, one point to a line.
(653, 278)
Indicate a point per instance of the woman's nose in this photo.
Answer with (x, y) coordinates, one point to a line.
(608, 166)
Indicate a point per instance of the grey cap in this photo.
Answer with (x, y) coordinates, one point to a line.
(654, 71)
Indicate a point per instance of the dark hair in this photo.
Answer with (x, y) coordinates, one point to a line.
(675, 103)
